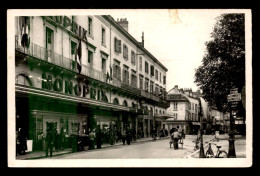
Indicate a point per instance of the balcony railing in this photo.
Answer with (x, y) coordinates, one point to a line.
(49, 56)
(130, 88)
(149, 95)
(59, 60)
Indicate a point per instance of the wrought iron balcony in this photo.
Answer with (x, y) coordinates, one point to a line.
(131, 88)
(64, 62)
(149, 96)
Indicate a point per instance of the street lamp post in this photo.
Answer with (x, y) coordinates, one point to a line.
(233, 98)
(231, 149)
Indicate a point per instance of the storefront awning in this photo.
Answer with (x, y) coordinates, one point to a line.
(66, 97)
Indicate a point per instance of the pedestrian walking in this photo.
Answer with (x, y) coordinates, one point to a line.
(56, 140)
(74, 142)
(123, 136)
(171, 131)
(128, 137)
(111, 137)
(99, 138)
(49, 139)
(92, 140)
(154, 134)
(21, 142)
(176, 137)
(62, 139)
(183, 134)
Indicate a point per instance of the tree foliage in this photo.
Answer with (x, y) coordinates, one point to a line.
(223, 65)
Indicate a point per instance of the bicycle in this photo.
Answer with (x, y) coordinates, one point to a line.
(219, 154)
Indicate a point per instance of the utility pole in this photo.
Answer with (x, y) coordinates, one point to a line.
(202, 154)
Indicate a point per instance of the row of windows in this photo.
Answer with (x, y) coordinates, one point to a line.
(193, 106)
(117, 69)
(117, 49)
(118, 46)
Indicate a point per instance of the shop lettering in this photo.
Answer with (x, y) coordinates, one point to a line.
(77, 89)
(67, 22)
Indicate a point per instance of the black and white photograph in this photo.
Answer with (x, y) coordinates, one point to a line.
(129, 88)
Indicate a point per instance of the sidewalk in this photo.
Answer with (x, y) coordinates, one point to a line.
(41, 154)
(240, 146)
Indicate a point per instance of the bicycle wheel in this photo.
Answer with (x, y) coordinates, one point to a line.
(222, 154)
(209, 154)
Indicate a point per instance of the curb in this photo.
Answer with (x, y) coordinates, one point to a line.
(108, 146)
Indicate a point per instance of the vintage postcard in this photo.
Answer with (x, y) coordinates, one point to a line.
(129, 88)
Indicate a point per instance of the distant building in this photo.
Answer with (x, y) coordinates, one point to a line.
(183, 110)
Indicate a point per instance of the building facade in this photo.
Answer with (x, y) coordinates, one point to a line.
(85, 72)
(183, 111)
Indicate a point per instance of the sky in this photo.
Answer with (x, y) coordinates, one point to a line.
(175, 37)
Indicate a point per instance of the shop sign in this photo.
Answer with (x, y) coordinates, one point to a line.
(68, 88)
(66, 22)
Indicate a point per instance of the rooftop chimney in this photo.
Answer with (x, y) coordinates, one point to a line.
(123, 23)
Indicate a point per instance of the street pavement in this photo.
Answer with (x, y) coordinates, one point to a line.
(146, 150)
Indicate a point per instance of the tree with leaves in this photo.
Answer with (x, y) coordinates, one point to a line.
(223, 65)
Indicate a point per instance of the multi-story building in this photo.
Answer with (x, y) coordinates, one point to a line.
(84, 72)
(183, 110)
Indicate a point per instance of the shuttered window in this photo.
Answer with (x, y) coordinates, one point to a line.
(152, 70)
(151, 86)
(146, 67)
(156, 75)
(117, 45)
(125, 52)
(117, 72)
(133, 57)
(140, 63)
(133, 80)
(141, 82)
